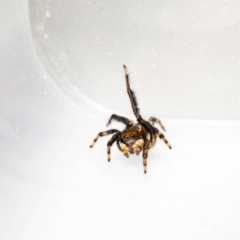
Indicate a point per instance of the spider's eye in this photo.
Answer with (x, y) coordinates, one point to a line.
(125, 138)
(132, 136)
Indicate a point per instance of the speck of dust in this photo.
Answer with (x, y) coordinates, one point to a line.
(47, 14)
(93, 110)
(154, 66)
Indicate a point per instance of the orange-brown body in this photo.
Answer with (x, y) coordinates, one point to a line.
(133, 138)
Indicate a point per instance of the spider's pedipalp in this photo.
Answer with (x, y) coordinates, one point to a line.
(137, 147)
(152, 120)
(124, 149)
(102, 134)
(121, 119)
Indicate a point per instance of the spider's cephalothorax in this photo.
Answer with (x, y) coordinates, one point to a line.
(136, 137)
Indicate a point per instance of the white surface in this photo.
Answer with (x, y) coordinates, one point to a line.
(52, 186)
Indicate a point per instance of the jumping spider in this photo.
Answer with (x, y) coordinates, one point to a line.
(136, 137)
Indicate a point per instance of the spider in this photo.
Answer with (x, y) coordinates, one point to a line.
(136, 137)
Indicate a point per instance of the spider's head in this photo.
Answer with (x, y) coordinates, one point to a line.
(130, 135)
(132, 138)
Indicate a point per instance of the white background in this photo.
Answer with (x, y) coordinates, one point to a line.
(62, 77)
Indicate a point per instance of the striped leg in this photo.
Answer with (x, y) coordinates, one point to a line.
(121, 119)
(110, 143)
(152, 120)
(145, 155)
(161, 136)
(101, 134)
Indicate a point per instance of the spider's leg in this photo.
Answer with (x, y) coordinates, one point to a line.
(161, 136)
(121, 119)
(131, 95)
(145, 155)
(135, 107)
(110, 143)
(152, 120)
(150, 128)
(101, 134)
(119, 141)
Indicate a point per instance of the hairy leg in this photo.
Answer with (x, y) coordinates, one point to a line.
(110, 143)
(131, 95)
(148, 126)
(161, 136)
(153, 120)
(121, 119)
(135, 107)
(102, 134)
(145, 155)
